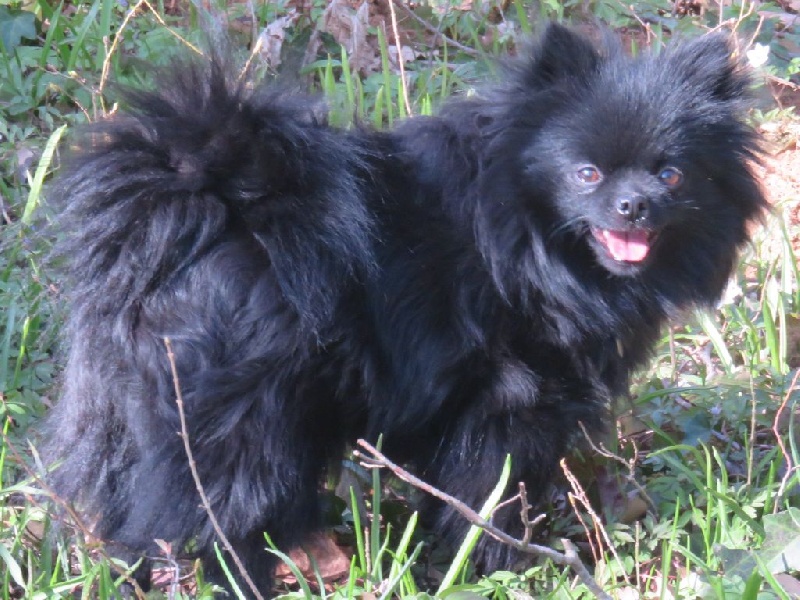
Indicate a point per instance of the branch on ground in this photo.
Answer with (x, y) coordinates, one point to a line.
(206, 503)
(373, 459)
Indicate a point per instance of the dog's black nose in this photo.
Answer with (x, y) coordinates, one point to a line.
(633, 208)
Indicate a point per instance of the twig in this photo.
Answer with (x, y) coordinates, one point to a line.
(374, 459)
(600, 449)
(755, 35)
(246, 68)
(449, 41)
(790, 467)
(400, 60)
(196, 476)
(110, 52)
(780, 80)
(601, 535)
(118, 36)
(175, 578)
(595, 543)
(776, 96)
(524, 514)
(648, 31)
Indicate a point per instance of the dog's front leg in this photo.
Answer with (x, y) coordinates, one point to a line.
(520, 414)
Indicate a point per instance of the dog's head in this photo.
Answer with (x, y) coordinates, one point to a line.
(637, 166)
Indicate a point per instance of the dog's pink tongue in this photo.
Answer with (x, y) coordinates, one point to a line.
(630, 246)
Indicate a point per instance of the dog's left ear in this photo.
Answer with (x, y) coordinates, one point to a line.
(561, 53)
(709, 62)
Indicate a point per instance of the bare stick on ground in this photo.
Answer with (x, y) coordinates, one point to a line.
(787, 456)
(196, 476)
(372, 458)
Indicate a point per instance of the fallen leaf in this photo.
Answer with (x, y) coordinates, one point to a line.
(330, 559)
(270, 41)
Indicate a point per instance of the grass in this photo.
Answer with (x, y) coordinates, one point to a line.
(698, 495)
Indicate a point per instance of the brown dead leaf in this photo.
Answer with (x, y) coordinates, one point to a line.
(626, 506)
(348, 26)
(270, 41)
(408, 55)
(634, 509)
(331, 560)
(463, 6)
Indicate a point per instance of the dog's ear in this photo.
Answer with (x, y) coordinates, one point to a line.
(710, 63)
(561, 54)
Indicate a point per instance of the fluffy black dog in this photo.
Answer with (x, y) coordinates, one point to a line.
(468, 285)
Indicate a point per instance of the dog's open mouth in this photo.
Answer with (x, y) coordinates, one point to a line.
(631, 246)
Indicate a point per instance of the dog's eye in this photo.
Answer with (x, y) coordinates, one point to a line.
(671, 177)
(588, 174)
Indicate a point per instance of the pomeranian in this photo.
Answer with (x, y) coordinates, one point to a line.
(469, 285)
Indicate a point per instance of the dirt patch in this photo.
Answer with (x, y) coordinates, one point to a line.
(780, 174)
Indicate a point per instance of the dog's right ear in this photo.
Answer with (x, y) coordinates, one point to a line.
(560, 54)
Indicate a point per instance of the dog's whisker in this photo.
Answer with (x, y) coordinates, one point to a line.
(563, 228)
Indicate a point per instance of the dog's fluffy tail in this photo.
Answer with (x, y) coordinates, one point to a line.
(148, 191)
(232, 219)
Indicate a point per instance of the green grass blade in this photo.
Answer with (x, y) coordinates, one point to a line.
(228, 575)
(405, 540)
(395, 581)
(713, 333)
(347, 78)
(426, 107)
(105, 31)
(667, 549)
(301, 580)
(351, 579)
(396, 571)
(376, 550)
(3, 452)
(771, 336)
(522, 17)
(473, 534)
(317, 574)
(377, 561)
(387, 76)
(770, 579)
(13, 568)
(445, 89)
(34, 195)
(681, 465)
(752, 586)
(361, 102)
(22, 351)
(361, 550)
(5, 350)
(52, 28)
(78, 46)
(790, 269)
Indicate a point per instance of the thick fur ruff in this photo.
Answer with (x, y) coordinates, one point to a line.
(468, 285)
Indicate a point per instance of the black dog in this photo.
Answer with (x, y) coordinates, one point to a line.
(468, 285)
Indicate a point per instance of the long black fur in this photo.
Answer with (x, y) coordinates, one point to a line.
(442, 284)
